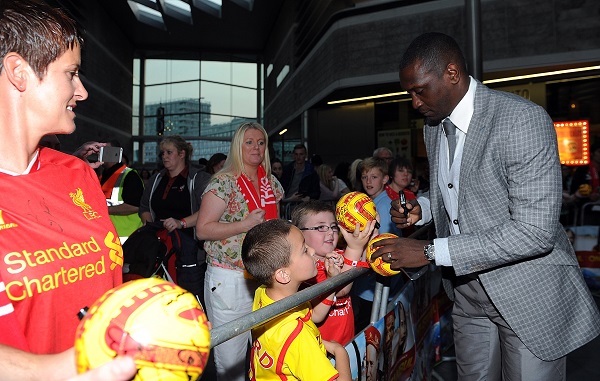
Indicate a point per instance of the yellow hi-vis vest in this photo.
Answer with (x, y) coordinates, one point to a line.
(125, 225)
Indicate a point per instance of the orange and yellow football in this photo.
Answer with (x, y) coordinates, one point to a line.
(378, 265)
(159, 324)
(353, 208)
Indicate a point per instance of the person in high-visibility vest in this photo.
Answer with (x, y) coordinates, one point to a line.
(123, 188)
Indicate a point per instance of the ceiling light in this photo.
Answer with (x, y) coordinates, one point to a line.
(283, 131)
(497, 80)
(368, 97)
(544, 74)
(212, 7)
(147, 15)
(177, 9)
(282, 74)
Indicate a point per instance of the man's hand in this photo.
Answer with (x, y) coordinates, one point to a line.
(403, 219)
(87, 149)
(401, 252)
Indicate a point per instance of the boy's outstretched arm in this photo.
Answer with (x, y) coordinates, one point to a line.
(342, 360)
(357, 243)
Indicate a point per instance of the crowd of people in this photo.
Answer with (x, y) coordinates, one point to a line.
(580, 186)
(495, 202)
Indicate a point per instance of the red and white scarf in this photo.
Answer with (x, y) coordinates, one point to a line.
(265, 200)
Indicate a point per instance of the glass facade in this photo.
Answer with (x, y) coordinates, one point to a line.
(202, 101)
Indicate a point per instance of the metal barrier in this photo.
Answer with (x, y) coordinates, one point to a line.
(235, 327)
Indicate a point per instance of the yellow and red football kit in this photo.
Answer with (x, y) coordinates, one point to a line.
(288, 347)
(58, 247)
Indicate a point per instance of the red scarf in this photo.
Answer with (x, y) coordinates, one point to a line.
(266, 200)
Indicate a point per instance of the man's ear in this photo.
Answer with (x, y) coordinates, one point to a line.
(282, 275)
(15, 68)
(386, 179)
(453, 72)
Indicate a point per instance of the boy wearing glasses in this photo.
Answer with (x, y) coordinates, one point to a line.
(316, 220)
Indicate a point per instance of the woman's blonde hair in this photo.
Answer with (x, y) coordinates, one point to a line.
(234, 163)
(324, 172)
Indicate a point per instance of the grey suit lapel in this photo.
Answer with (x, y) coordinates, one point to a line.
(433, 135)
(477, 136)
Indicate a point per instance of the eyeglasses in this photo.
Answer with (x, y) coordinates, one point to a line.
(324, 228)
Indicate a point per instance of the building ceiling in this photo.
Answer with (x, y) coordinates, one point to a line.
(238, 31)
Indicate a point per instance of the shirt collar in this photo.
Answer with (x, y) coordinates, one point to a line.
(463, 112)
(29, 167)
(184, 172)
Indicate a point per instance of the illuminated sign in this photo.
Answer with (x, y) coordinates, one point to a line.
(573, 142)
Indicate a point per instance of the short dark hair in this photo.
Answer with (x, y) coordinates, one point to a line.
(266, 249)
(37, 32)
(311, 207)
(299, 146)
(214, 160)
(435, 51)
(398, 163)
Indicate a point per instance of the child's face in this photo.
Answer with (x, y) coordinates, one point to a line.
(322, 242)
(373, 181)
(302, 261)
(402, 177)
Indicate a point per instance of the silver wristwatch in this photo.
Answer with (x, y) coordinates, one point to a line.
(429, 252)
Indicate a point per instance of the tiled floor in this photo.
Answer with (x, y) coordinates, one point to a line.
(583, 364)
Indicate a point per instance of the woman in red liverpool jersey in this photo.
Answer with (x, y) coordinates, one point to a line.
(58, 251)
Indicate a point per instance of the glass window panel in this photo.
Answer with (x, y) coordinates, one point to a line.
(243, 102)
(150, 152)
(221, 126)
(216, 71)
(135, 126)
(135, 104)
(136, 71)
(219, 97)
(207, 148)
(175, 124)
(169, 93)
(217, 114)
(244, 74)
(164, 71)
(150, 126)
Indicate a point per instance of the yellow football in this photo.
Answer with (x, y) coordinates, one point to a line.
(159, 324)
(378, 265)
(353, 208)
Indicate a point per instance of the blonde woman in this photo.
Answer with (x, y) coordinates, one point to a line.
(242, 195)
(332, 188)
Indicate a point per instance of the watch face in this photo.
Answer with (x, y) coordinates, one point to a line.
(430, 252)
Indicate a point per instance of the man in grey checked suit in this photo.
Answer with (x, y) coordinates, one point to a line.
(520, 301)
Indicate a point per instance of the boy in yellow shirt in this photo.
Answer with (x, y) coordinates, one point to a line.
(290, 345)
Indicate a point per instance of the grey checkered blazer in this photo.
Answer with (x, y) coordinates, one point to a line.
(509, 205)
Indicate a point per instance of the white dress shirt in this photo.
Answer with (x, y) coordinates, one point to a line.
(448, 178)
